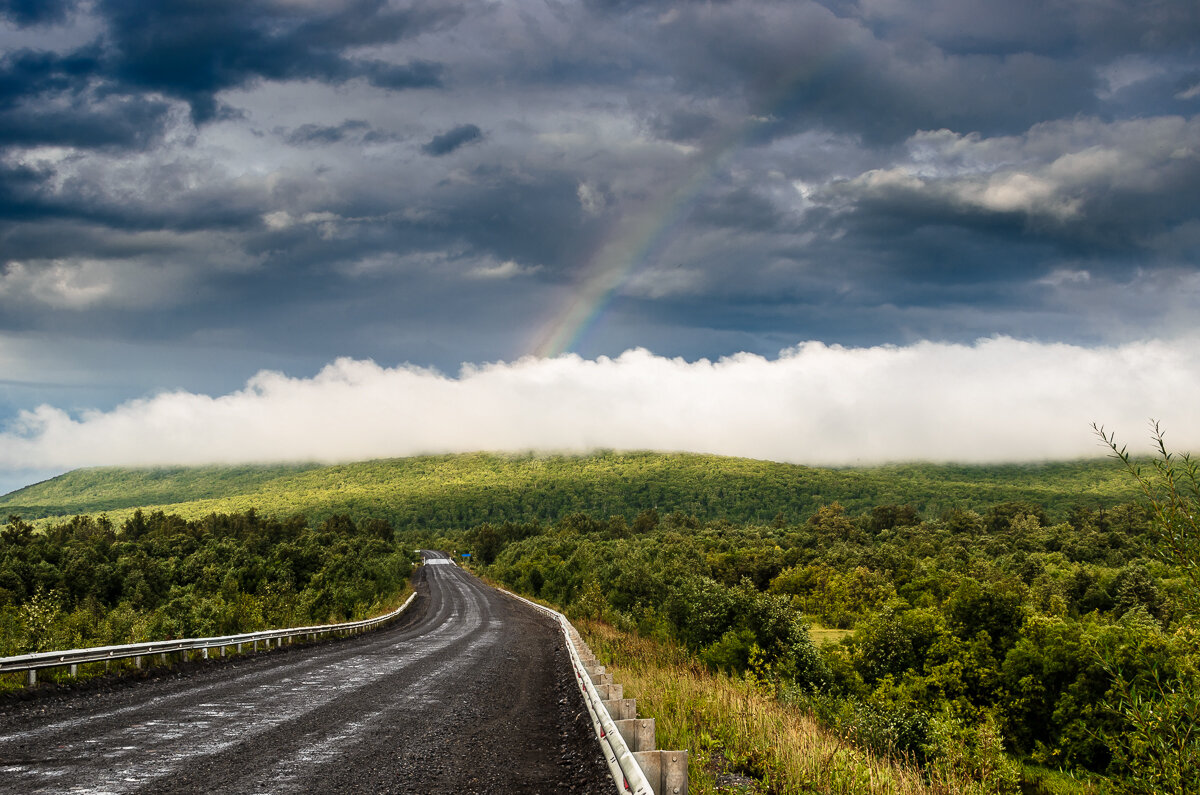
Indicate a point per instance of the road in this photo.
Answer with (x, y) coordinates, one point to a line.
(469, 692)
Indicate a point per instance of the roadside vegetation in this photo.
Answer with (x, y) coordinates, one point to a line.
(87, 582)
(739, 736)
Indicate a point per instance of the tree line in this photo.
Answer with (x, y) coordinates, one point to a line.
(156, 576)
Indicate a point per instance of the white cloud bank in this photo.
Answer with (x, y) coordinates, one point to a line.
(997, 400)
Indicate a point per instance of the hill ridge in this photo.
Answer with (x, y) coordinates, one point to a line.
(462, 489)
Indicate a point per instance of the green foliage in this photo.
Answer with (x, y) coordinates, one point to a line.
(1158, 749)
(84, 582)
(977, 634)
(463, 491)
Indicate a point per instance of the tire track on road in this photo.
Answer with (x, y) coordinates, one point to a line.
(398, 702)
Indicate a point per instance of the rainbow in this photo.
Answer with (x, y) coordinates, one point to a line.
(641, 239)
(636, 243)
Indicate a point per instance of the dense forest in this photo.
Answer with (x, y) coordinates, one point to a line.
(461, 491)
(86, 582)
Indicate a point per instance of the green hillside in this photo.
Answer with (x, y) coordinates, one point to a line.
(458, 491)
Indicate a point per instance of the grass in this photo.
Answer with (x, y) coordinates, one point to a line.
(822, 635)
(734, 732)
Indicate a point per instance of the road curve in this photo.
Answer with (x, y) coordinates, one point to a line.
(469, 692)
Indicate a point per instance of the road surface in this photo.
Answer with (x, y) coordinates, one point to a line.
(469, 692)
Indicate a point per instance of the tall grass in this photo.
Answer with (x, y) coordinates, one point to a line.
(735, 730)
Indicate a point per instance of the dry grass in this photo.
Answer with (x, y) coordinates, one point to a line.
(730, 723)
(822, 635)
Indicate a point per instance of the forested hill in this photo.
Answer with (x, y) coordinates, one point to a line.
(459, 491)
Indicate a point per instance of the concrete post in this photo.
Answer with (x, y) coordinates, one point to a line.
(31, 677)
(638, 733)
(74, 670)
(621, 708)
(666, 771)
(204, 653)
(611, 692)
(137, 663)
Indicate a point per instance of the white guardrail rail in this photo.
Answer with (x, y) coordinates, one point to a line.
(625, 770)
(32, 663)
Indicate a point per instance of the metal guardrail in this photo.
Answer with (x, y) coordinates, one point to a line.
(626, 772)
(32, 663)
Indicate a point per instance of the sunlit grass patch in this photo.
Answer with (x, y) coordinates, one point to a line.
(822, 635)
(729, 725)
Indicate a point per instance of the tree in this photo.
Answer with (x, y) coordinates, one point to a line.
(1172, 486)
(1160, 749)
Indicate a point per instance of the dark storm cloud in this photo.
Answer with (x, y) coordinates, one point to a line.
(682, 125)
(35, 12)
(741, 209)
(50, 99)
(196, 48)
(1121, 194)
(131, 123)
(29, 74)
(803, 67)
(447, 142)
(323, 134)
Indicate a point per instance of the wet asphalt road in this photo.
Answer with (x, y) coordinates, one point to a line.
(469, 692)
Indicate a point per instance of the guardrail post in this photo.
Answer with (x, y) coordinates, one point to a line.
(204, 653)
(666, 770)
(638, 733)
(600, 678)
(162, 658)
(31, 678)
(621, 708)
(137, 662)
(613, 692)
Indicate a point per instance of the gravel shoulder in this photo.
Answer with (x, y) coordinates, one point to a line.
(469, 692)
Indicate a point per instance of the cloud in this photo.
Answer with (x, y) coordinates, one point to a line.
(999, 399)
(1108, 187)
(319, 134)
(450, 140)
(80, 283)
(503, 270)
(35, 12)
(192, 51)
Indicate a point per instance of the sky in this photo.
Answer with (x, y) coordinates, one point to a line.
(825, 232)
